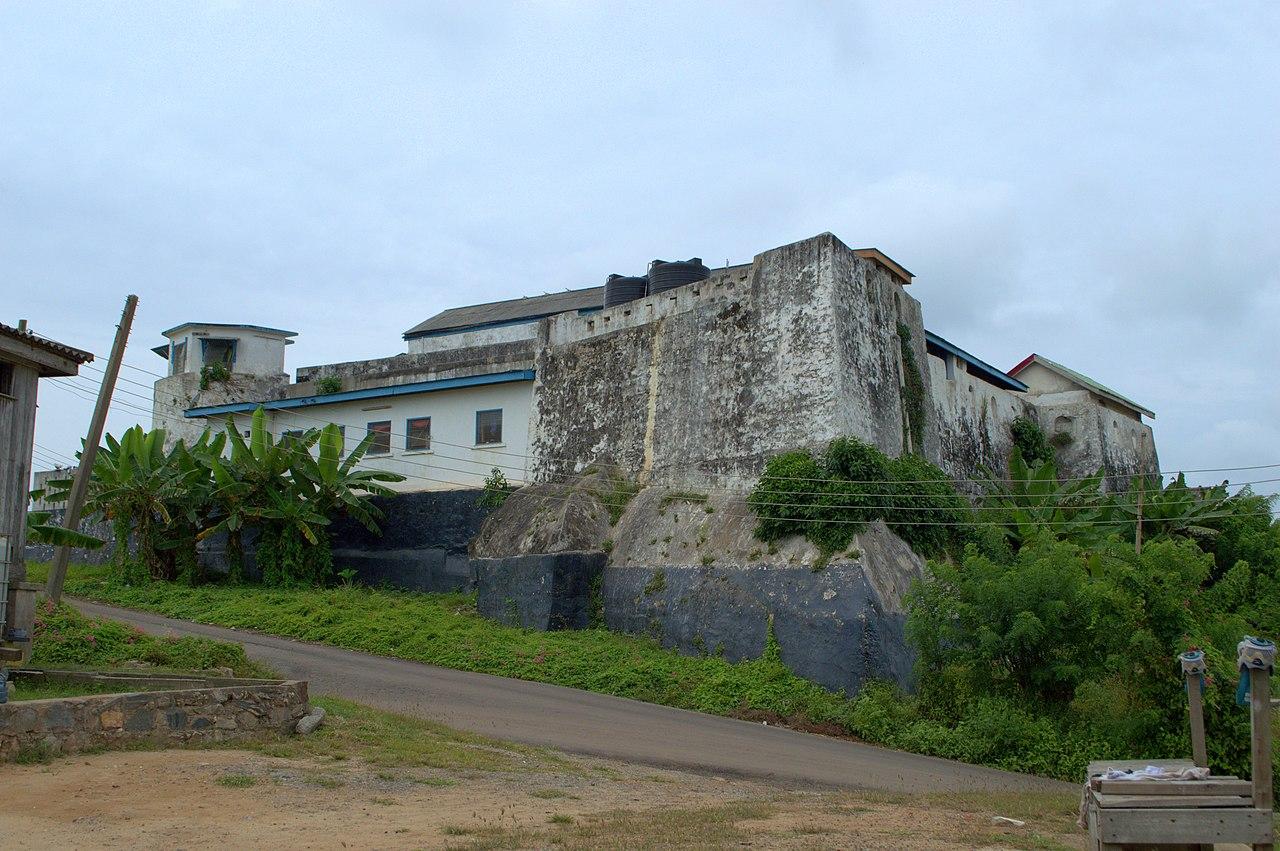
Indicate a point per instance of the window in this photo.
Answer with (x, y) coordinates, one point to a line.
(418, 434)
(219, 351)
(6, 379)
(178, 358)
(381, 443)
(488, 427)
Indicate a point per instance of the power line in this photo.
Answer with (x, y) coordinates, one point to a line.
(580, 462)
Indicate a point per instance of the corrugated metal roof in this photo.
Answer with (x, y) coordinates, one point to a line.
(1081, 379)
(510, 310)
(52, 346)
(994, 375)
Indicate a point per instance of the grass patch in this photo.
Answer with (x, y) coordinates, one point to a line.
(236, 781)
(64, 638)
(387, 740)
(31, 689)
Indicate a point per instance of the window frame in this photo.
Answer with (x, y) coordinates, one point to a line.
(8, 378)
(479, 414)
(374, 444)
(232, 347)
(409, 436)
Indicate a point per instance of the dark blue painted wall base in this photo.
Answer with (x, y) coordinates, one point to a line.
(543, 592)
(830, 625)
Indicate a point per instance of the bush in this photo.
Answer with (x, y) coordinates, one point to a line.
(1029, 439)
(327, 385)
(829, 500)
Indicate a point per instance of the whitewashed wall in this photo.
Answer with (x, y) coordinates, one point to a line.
(453, 460)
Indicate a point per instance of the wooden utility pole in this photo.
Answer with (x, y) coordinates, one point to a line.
(1137, 535)
(80, 485)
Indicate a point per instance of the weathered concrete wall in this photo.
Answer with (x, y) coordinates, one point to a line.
(1097, 435)
(175, 394)
(702, 383)
(478, 337)
(838, 626)
(182, 716)
(974, 423)
(975, 419)
(543, 592)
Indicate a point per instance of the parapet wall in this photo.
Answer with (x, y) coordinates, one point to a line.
(698, 386)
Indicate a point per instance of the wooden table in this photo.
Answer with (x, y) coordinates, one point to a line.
(1187, 814)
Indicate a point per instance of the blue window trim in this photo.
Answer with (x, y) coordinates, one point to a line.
(371, 393)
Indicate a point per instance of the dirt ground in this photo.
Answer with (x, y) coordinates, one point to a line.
(247, 799)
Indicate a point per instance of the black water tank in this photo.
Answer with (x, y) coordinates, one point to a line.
(665, 276)
(620, 290)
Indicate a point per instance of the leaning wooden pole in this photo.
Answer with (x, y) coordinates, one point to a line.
(1193, 670)
(80, 485)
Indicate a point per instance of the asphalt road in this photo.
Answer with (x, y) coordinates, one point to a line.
(586, 723)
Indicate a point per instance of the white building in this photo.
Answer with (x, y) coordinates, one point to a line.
(460, 401)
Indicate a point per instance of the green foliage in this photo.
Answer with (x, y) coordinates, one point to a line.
(41, 531)
(65, 638)
(169, 501)
(913, 394)
(214, 373)
(1032, 501)
(1076, 643)
(830, 499)
(616, 494)
(327, 385)
(496, 490)
(1029, 440)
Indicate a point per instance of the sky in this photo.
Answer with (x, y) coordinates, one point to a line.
(1096, 182)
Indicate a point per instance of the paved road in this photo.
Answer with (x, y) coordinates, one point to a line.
(587, 723)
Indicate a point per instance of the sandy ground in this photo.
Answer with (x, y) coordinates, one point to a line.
(183, 800)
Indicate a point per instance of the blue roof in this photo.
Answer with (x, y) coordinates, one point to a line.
(370, 393)
(979, 366)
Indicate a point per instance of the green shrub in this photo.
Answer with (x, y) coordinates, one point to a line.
(213, 373)
(327, 385)
(829, 500)
(1030, 440)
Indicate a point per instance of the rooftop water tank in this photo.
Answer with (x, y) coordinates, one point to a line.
(664, 275)
(619, 289)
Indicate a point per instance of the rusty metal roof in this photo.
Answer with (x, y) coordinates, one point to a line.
(53, 347)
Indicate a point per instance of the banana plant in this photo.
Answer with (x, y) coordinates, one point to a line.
(333, 484)
(41, 531)
(1175, 509)
(1032, 500)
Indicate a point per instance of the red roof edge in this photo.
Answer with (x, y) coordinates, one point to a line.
(1023, 364)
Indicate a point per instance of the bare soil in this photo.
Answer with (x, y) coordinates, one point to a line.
(248, 799)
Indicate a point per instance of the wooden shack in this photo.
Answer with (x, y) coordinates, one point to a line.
(25, 358)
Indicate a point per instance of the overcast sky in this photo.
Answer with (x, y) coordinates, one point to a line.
(1096, 182)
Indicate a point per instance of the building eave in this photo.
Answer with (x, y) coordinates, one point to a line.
(368, 393)
(1000, 379)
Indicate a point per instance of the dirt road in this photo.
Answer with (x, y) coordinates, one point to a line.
(597, 725)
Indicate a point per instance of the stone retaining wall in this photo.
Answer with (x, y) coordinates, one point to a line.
(180, 716)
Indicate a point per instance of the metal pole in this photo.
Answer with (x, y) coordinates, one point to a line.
(80, 486)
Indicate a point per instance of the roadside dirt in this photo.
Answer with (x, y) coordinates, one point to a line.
(243, 799)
